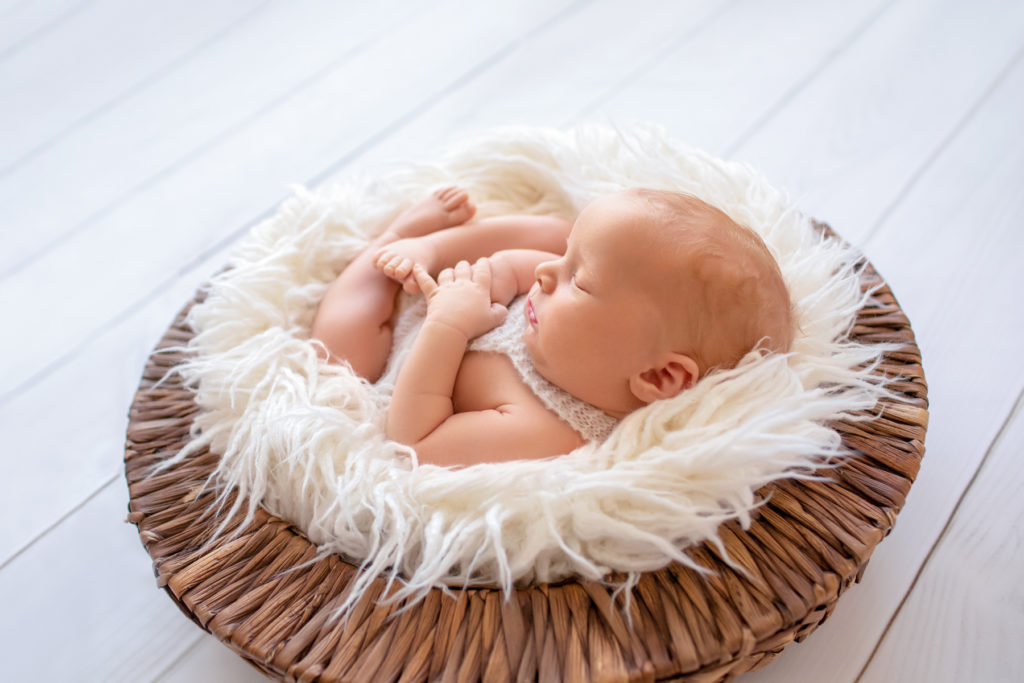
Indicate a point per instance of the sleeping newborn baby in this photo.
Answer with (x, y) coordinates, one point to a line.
(540, 334)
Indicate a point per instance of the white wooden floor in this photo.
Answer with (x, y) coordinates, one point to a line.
(139, 140)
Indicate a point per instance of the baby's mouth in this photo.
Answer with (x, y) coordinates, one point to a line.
(530, 314)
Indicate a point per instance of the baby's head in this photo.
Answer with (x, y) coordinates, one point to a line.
(655, 290)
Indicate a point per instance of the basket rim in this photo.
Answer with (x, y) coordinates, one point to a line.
(264, 591)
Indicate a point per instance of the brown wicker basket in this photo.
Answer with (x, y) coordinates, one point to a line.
(255, 591)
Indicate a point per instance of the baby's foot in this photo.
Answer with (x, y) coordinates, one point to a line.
(396, 260)
(403, 244)
(445, 208)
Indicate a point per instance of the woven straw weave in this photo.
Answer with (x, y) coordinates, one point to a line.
(254, 590)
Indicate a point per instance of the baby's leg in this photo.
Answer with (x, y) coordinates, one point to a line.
(354, 317)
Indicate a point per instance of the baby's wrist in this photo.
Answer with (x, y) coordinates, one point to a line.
(441, 327)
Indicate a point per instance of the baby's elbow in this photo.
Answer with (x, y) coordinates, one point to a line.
(429, 453)
(429, 449)
(403, 436)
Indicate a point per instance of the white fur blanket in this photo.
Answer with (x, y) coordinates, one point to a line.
(307, 440)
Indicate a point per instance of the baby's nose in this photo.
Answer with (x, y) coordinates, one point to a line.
(545, 275)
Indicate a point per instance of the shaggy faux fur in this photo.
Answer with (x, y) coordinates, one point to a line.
(307, 440)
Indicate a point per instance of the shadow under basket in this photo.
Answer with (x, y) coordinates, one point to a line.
(258, 590)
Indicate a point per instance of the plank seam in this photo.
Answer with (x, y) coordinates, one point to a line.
(486, 63)
(944, 144)
(993, 445)
(155, 77)
(196, 152)
(43, 30)
(63, 518)
(372, 140)
(650, 62)
(181, 657)
(831, 57)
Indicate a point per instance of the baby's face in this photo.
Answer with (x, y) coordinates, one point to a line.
(590, 313)
(653, 291)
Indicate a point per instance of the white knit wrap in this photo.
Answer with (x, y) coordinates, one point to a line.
(307, 440)
(591, 423)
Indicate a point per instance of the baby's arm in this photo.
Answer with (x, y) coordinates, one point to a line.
(469, 242)
(508, 432)
(513, 272)
(459, 309)
(489, 235)
(422, 413)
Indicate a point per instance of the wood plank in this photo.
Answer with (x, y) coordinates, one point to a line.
(636, 71)
(210, 660)
(67, 430)
(96, 57)
(958, 285)
(541, 82)
(23, 22)
(731, 77)
(963, 621)
(887, 104)
(95, 615)
(172, 118)
(166, 223)
(160, 226)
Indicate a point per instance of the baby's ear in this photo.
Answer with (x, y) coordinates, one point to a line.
(672, 375)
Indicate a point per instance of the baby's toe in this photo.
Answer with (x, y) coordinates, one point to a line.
(403, 268)
(446, 193)
(454, 199)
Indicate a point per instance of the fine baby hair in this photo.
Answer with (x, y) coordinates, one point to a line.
(742, 298)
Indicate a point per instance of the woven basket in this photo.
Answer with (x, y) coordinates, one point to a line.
(258, 591)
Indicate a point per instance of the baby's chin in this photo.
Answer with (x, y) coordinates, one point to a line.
(537, 358)
(548, 371)
(530, 344)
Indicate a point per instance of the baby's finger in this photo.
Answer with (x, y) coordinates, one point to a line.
(410, 285)
(463, 271)
(498, 314)
(482, 272)
(446, 277)
(423, 280)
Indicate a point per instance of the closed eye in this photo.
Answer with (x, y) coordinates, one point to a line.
(576, 284)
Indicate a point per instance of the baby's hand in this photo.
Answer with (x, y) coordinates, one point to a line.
(396, 260)
(461, 297)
